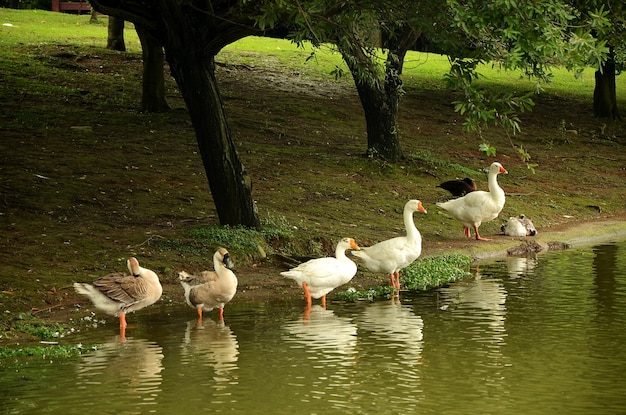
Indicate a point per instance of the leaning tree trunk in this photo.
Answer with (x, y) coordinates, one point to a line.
(153, 82)
(115, 35)
(191, 37)
(230, 184)
(604, 94)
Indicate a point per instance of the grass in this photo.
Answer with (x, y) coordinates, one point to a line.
(87, 180)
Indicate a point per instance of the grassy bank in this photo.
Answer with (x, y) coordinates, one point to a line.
(87, 180)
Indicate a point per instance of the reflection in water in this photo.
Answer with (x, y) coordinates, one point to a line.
(322, 355)
(523, 337)
(395, 326)
(479, 305)
(121, 371)
(605, 265)
(211, 344)
(322, 331)
(391, 345)
(520, 266)
(485, 295)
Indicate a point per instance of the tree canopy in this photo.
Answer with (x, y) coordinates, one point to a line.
(528, 35)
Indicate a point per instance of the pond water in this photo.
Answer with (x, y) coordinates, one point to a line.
(521, 336)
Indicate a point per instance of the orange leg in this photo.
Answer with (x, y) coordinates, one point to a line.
(307, 293)
(397, 280)
(122, 327)
(394, 280)
(324, 301)
(199, 310)
(123, 321)
(220, 312)
(466, 231)
(307, 312)
(478, 237)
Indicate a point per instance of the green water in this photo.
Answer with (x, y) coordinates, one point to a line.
(520, 336)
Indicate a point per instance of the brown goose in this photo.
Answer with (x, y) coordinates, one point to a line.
(211, 289)
(118, 294)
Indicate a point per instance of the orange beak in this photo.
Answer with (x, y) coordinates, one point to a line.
(503, 170)
(353, 244)
(421, 208)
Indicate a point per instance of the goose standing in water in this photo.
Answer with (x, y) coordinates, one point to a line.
(478, 206)
(320, 276)
(211, 289)
(118, 294)
(391, 255)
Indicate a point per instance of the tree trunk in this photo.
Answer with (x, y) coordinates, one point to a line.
(230, 184)
(115, 38)
(191, 37)
(604, 94)
(381, 111)
(153, 82)
(380, 103)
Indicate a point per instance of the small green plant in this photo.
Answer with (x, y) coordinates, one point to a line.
(36, 328)
(487, 150)
(435, 272)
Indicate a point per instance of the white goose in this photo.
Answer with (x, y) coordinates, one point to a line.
(478, 206)
(391, 255)
(118, 294)
(320, 276)
(211, 289)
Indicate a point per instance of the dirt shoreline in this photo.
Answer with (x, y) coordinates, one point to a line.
(262, 282)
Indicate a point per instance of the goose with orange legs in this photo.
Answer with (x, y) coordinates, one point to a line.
(319, 276)
(392, 255)
(118, 294)
(211, 289)
(479, 206)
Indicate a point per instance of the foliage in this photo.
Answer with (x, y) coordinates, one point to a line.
(35, 327)
(487, 150)
(530, 36)
(435, 271)
(425, 274)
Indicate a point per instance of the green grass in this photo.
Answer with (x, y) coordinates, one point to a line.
(37, 27)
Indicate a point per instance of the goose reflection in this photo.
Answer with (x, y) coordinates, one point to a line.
(520, 266)
(322, 359)
(480, 300)
(321, 330)
(396, 326)
(213, 344)
(117, 369)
